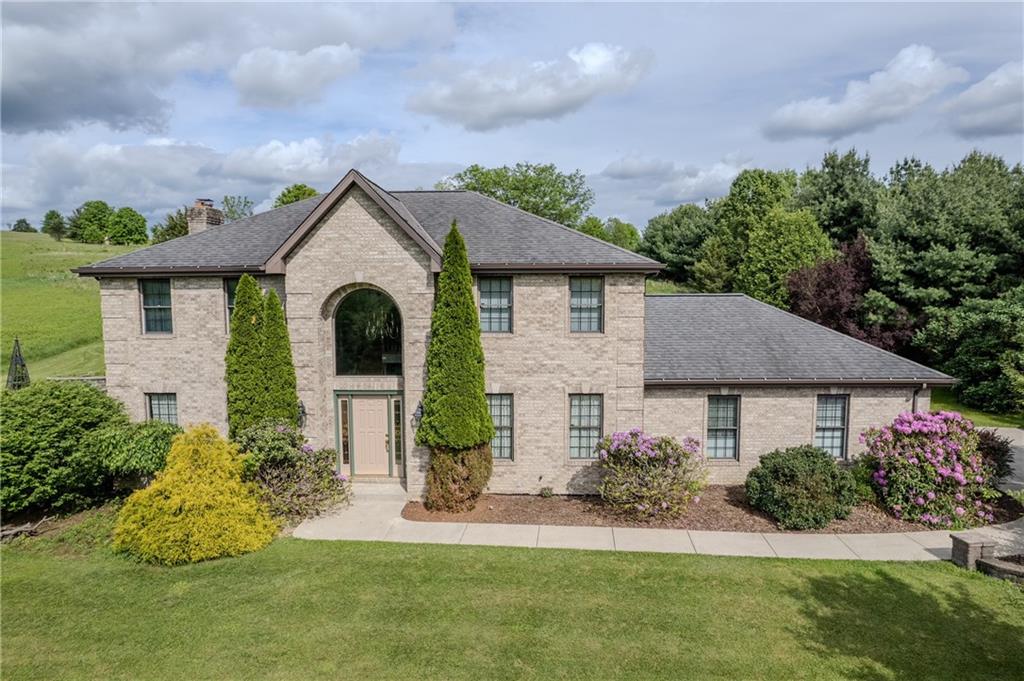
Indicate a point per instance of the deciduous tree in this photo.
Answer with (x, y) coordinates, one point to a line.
(540, 189)
(780, 244)
(293, 193)
(173, 226)
(127, 226)
(238, 207)
(53, 224)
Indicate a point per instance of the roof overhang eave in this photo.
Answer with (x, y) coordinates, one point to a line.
(924, 382)
(511, 267)
(178, 271)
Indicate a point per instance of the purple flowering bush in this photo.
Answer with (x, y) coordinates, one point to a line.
(650, 477)
(294, 479)
(929, 470)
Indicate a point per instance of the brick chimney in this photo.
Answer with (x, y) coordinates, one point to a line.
(203, 215)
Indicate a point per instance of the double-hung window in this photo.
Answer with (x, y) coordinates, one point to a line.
(586, 304)
(496, 304)
(156, 305)
(500, 406)
(723, 427)
(230, 286)
(585, 423)
(162, 407)
(830, 424)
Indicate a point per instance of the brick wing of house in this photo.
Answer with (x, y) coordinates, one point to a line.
(574, 348)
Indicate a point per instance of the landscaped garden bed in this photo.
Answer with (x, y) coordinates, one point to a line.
(721, 508)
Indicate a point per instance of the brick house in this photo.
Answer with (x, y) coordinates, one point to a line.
(573, 347)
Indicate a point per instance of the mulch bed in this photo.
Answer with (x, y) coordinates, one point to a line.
(721, 508)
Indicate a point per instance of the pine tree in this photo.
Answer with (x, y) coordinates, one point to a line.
(281, 401)
(244, 360)
(456, 423)
(455, 412)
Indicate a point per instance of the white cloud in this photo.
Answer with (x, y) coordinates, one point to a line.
(634, 167)
(993, 106)
(914, 76)
(67, 64)
(282, 78)
(506, 93)
(695, 184)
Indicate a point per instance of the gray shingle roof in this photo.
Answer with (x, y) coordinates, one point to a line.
(243, 245)
(497, 236)
(729, 338)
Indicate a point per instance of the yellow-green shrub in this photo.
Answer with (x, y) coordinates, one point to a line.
(197, 508)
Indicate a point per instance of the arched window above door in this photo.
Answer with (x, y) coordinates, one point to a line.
(367, 335)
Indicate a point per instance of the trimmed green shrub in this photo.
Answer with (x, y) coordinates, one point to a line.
(457, 478)
(456, 423)
(268, 443)
(649, 477)
(930, 471)
(132, 453)
(995, 452)
(280, 399)
(863, 472)
(243, 371)
(43, 464)
(198, 508)
(801, 487)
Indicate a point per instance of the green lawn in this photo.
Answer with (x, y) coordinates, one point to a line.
(943, 399)
(340, 610)
(55, 314)
(659, 287)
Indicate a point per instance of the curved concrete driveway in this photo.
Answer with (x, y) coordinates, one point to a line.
(378, 517)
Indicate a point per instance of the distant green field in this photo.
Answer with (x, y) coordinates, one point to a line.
(53, 312)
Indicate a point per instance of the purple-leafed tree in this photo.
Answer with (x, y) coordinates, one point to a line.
(836, 293)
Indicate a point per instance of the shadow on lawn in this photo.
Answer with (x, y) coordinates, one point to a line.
(894, 629)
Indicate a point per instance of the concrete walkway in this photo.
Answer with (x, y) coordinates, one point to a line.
(375, 515)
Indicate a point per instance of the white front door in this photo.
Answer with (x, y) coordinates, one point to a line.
(370, 443)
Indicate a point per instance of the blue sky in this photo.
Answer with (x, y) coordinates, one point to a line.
(153, 105)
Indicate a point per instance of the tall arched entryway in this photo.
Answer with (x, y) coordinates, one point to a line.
(368, 369)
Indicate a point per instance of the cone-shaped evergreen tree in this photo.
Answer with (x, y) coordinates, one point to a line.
(281, 401)
(455, 414)
(244, 360)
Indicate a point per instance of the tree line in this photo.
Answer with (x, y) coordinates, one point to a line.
(924, 262)
(96, 222)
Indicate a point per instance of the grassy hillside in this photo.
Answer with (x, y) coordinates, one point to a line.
(55, 313)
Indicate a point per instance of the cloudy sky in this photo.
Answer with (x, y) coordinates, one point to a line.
(153, 105)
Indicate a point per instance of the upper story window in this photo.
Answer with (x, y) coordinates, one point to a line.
(367, 335)
(830, 424)
(230, 286)
(496, 304)
(586, 416)
(156, 305)
(723, 427)
(586, 304)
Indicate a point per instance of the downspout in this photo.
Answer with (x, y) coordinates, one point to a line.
(913, 399)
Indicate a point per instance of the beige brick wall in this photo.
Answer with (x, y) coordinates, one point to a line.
(188, 362)
(541, 363)
(770, 418)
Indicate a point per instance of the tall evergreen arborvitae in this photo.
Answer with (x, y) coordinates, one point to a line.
(456, 423)
(281, 401)
(244, 360)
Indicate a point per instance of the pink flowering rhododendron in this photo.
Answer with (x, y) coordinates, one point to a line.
(647, 476)
(929, 469)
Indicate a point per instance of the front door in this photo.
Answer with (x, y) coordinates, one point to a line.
(370, 435)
